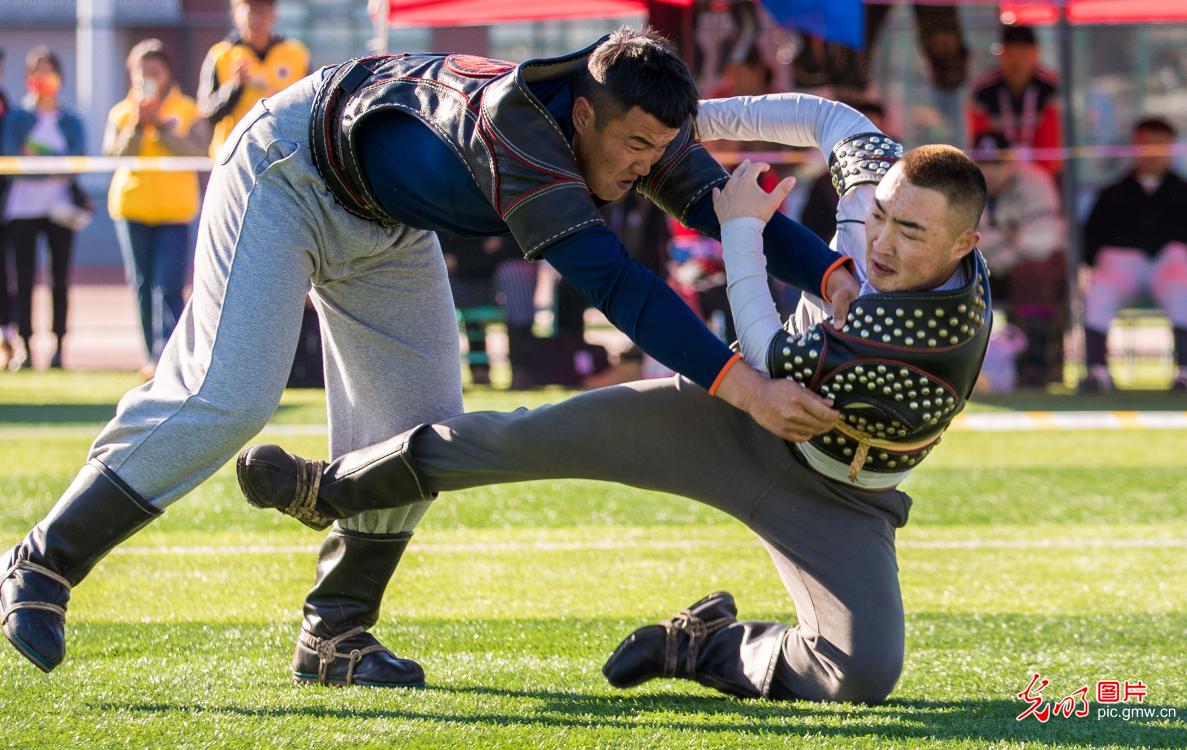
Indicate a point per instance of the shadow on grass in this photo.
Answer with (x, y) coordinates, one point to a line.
(896, 720)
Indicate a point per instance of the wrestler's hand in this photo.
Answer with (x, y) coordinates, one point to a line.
(783, 407)
(743, 196)
(842, 289)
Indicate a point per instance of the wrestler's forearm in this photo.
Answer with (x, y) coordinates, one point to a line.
(755, 317)
(794, 253)
(787, 118)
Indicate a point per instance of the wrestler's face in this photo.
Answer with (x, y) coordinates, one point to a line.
(913, 238)
(613, 154)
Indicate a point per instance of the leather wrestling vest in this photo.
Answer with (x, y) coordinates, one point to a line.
(515, 151)
(899, 371)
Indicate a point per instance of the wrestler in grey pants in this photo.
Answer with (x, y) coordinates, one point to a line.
(382, 295)
(832, 544)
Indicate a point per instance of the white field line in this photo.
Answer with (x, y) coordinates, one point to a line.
(653, 544)
(1023, 421)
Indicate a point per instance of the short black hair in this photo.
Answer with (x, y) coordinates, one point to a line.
(992, 146)
(42, 54)
(638, 69)
(1155, 125)
(950, 171)
(1014, 34)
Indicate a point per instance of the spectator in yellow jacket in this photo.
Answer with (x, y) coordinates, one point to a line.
(251, 63)
(153, 209)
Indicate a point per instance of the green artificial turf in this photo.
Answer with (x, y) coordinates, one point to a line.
(1056, 552)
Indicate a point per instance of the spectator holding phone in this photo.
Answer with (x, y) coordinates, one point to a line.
(153, 209)
(37, 204)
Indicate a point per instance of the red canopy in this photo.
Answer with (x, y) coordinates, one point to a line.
(1095, 11)
(482, 12)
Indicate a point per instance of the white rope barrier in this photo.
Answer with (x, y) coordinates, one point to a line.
(19, 165)
(100, 164)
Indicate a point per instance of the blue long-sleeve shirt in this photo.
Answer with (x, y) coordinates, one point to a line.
(421, 182)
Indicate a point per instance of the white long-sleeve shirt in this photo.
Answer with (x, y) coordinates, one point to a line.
(793, 120)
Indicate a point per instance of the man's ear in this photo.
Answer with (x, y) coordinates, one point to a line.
(966, 242)
(584, 117)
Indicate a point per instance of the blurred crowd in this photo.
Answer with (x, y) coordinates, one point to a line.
(1134, 240)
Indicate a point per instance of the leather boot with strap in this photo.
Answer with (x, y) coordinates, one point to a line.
(334, 647)
(97, 512)
(705, 643)
(317, 493)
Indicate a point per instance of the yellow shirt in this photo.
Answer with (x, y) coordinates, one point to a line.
(155, 197)
(285, 62)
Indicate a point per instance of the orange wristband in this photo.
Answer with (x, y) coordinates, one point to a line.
(721, 375)
(844, 260)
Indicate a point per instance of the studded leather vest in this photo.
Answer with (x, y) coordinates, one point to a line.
(899, 371)
(486, 113)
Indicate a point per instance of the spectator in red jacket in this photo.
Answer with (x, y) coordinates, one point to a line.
(1019, 98)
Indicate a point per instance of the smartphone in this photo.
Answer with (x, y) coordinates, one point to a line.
(149, 88)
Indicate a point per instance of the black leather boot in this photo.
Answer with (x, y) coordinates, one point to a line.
(316, 493)
(334, 647)
(705, 643)
(97, 512)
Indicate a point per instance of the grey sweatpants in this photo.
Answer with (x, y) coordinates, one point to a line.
(833, 545)
(270, 232)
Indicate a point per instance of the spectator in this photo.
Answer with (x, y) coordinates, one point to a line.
(50, 205)
(1022, 239)
(471, 262)
(820, 210)
(7, 329)
(251, 63)
(1136, 241)
(152, 210)
(1019, 98)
